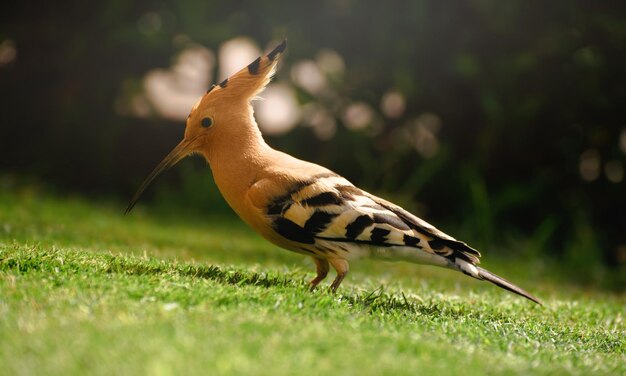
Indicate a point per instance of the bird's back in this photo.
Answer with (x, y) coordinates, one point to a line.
(307, 208)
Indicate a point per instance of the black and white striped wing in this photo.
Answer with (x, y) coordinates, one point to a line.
(328, 214)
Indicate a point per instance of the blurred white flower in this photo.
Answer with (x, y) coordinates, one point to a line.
(392, 104)
(614, 171)
(307, 75)
(320, 119)
(358, 115)
(8, 52)
(589, 165)
(278, 112)
(425, 129)
(172, 92)
(235, 54)
(330, 62)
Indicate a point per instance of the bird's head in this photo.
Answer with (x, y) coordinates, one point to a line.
(222, 113)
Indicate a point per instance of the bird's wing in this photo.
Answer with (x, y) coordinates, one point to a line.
(327, 207)
(440, 240)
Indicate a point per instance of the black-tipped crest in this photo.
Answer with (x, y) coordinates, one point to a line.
(249, 81)
(278, 50)
(253, 67)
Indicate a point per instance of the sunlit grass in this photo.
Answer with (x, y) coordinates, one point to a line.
(85, 289)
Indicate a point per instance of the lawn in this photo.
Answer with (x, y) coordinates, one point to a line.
(84, 289)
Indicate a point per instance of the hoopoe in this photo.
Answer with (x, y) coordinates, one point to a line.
(301, 206)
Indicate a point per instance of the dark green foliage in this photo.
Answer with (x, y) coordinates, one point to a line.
(522, 89)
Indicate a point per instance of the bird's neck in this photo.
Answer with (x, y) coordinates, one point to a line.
(238, 162)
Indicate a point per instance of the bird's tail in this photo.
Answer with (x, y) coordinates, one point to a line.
(467, 267)
(486, 275)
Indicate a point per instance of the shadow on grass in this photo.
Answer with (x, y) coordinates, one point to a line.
(24, 260)
(374, 302)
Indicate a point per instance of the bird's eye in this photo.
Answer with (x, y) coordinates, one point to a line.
(206, 122)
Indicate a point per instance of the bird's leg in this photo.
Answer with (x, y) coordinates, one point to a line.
(322, 271)
(342, 267)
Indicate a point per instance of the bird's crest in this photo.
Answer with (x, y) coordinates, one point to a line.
(250, 81)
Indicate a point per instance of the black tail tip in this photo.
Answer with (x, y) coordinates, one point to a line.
(503, 283)
(278, 50)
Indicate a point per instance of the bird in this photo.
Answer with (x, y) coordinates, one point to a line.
(301, 206)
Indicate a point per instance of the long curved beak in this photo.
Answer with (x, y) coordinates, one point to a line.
(179, 152)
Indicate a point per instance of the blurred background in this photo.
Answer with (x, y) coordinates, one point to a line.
(503, 123)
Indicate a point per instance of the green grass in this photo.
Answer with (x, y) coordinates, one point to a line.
(85, 289)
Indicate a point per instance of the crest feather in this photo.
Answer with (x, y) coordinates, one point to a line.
(250, 81)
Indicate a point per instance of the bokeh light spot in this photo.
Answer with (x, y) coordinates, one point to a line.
(614, 171)
(425, 129)
(278, 112)
(235, 54)
(308, 75)
(392, 104)
(589, 165)
(321, 120)
(173, 92)
(8, 52)
(330, 62)
(358, 116)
